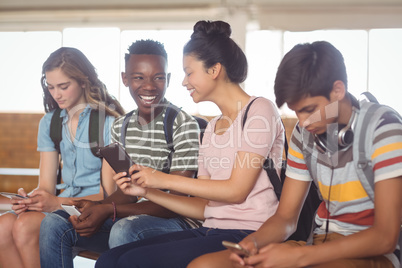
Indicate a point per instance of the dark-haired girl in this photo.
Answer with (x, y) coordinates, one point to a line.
(70, 83)
(231, 195)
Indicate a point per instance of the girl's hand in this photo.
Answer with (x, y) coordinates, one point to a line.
(16, 206)
(148, 177)
(40, 200)
(128, 186)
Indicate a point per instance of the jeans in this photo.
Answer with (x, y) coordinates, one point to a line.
(171, 250)
(139, 227)
(59, 242)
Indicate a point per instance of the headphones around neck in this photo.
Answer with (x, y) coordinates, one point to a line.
(342, 138)
(345, 135)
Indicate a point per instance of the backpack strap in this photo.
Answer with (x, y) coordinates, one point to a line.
(310, 156)
(55, 129)
(96, 129)
(170, 115)
(369, 115)
(202, 123)
(56, 136)
(269, 164)
(123, 130)
(243, 121)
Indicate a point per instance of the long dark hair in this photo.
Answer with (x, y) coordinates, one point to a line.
(76, 65)
(211, 43)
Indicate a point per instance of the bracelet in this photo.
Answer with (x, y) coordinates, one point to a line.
(114, 211)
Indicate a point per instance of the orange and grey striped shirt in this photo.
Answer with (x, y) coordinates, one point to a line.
(346, 204)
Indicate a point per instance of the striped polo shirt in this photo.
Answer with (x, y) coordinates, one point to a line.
(146, 144)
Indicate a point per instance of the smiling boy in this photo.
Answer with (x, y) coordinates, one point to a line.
(119, 219)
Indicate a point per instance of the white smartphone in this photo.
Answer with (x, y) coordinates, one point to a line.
(12, 195)
(239, 250)
(71, 209)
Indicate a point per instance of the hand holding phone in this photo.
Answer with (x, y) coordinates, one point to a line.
(117, 157)
(236, 248)
(71, 210)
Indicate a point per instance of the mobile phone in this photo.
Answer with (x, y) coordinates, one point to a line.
(117, 157)
(239, 250)
(12, 195)
(71, 209)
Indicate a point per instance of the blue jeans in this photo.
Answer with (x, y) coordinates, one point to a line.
(59, 242)
(139, 227)
(169, 250)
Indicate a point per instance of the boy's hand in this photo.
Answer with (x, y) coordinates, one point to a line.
(91, 219)
(83, 204)
(275, 255)
(250, 245)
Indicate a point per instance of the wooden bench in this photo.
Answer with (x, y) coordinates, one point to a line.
(89, 255)
(18, 133)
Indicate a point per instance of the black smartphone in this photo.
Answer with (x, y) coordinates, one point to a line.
(117, 157)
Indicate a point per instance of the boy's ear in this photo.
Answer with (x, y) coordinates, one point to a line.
(338, 91)
(124, 79)
(167, 80)
(215, 70)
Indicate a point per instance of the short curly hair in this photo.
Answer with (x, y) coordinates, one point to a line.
(146, 47)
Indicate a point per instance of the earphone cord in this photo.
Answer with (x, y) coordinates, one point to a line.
(328, 203)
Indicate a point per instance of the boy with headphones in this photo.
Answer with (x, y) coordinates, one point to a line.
(353, 229)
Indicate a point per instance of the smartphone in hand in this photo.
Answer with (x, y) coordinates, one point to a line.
(71, 209)
(117, 157)
(236, 248)
(13, 195)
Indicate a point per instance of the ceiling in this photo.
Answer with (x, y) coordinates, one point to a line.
(178, 4)
(269, 14)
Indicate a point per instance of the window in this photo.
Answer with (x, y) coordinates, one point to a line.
(102, 47)
(22, 55)
(385, 66)
(372, 60)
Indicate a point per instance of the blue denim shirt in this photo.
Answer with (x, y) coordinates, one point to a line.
(81, 169)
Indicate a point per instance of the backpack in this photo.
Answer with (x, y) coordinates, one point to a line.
(313, 200)
(96, 123)
(370, 112)
(170, 115)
